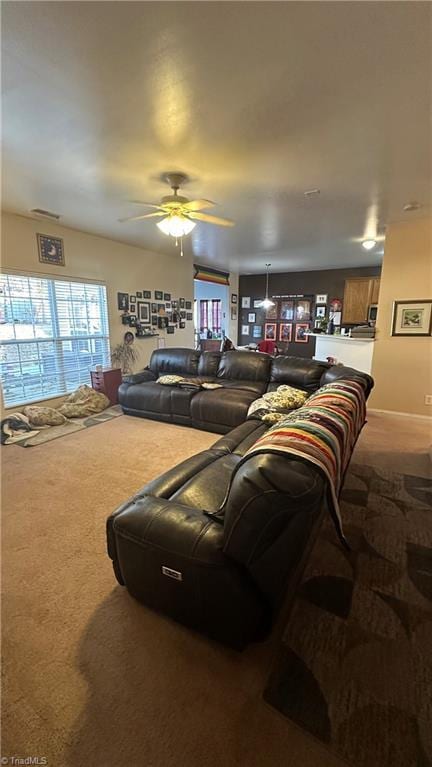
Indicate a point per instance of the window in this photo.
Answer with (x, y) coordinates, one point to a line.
(210, 315)
(51, 333)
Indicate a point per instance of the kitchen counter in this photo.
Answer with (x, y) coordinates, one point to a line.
(352, 352)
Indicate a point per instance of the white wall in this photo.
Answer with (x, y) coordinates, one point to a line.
(123, 268)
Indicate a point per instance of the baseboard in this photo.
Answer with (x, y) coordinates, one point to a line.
(403, 415)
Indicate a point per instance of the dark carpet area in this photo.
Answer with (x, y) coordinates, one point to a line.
(355, 665)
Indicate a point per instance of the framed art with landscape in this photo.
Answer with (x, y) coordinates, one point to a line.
(412, 318)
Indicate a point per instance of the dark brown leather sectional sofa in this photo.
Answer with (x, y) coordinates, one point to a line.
(207, 544)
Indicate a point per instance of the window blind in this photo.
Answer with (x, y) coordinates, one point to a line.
(51, 334)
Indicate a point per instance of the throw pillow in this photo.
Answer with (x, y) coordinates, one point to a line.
(286, 397)
(169, 380)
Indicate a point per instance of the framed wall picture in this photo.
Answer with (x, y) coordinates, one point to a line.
(233, 298)
(321, 298)
(139, 294)
(158, 295)
(188, 306)
(233, 312)
(132, 299)
(252, 317)
(123, 302)
(51, 250)
(412, 318)
(287, 310)
(167, 296)
(154, 308)
(154, 319)
(285, 331)
(143, 311)
(270, 331)
(182, 303)
(132, 308)
(257, 303)
(170, 329)
(245, 330)
(320, 312)
(245, 302)
(272, 311)
(302, 310)
(257, 331)
(301, 329)
(189, 316)
(146, 294)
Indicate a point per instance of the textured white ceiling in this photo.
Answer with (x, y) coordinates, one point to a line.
(257, 102)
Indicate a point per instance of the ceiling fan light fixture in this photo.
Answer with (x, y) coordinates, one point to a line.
(176, 226)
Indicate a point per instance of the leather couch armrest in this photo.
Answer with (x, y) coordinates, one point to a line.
(167, 525)
(141, 377)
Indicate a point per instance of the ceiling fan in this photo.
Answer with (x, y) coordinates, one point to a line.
(178, 214)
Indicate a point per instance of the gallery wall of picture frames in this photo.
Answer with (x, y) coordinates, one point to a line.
(291, 319)
(150, 312)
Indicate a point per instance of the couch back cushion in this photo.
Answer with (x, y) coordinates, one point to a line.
(336, 372)
(209, 363)
(298, 372)
(244, 366)
(174, 361)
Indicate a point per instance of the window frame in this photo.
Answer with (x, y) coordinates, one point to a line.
(60, 369)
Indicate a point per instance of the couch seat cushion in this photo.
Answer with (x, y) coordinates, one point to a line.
(221, 408)
(151, 397)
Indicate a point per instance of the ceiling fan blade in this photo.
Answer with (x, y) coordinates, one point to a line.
(139, 218)
(147, 204)
(198, 204)
(211, 219)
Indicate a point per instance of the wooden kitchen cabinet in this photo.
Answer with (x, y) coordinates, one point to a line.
(359, 294)
(375, 289)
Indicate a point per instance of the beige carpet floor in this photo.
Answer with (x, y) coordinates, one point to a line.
(93, 678)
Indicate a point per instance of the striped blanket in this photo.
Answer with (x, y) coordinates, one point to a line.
(322, 432)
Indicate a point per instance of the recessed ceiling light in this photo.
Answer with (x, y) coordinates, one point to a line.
(369, 244)
(411, 206)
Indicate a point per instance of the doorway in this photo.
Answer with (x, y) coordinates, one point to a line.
(211, 318)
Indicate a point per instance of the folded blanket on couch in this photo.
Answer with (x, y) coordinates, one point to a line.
(323, 432)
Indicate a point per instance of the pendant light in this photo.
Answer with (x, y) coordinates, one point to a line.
(267, 303)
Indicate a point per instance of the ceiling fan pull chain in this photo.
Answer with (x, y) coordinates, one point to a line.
(181, 247)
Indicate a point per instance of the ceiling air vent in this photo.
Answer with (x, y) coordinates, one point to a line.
(40, 213)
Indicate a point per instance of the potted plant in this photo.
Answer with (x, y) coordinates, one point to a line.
(321, 325)
(124, 355)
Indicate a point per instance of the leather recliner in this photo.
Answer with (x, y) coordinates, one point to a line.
(223, 577)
